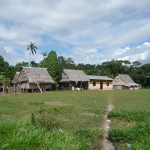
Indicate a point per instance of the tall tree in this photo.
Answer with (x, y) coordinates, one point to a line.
(32, 49)
(3, 64)
(19, 65)
(52, 65)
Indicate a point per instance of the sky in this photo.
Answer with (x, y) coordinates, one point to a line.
(89, 31)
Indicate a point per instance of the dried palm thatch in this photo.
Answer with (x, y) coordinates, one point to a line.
(69, 75)
(34, 75)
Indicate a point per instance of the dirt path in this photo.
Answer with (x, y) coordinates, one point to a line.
(106, 144)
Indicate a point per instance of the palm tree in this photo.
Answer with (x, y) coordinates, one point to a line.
(32, 48)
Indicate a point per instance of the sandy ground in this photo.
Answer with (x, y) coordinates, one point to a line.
(106, 144)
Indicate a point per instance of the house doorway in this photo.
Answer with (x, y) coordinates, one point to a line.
(101, 85)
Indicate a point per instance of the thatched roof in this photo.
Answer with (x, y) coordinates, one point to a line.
(16, 78)
(123, 79)
(104, 78)
(34, 75)
(126, 78)
(73, 75)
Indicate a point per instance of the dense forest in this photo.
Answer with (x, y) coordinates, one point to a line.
(55, 64)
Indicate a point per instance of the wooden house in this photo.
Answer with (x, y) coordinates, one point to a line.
(123, 81)
(99, 83)
(74, 79)
(30, 79)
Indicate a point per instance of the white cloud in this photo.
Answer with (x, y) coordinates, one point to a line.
(140, 53)
(121, 51)
(146, 44)
(86, 25)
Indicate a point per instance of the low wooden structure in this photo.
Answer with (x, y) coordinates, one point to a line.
(123, 81)
(73, 79)
(99, 83)
(31, 79)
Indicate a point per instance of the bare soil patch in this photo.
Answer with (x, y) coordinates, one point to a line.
(89, 114)
(106, 144)
(56, 103)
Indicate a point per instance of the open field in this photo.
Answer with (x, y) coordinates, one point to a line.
(73, 119)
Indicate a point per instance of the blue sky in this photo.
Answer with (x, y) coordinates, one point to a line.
(89, 31)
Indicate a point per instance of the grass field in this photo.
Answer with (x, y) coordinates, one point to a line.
(71, 120)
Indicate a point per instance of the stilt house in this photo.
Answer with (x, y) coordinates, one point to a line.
(74, 79)
(99, 83)
(123, 81)
(30, 79)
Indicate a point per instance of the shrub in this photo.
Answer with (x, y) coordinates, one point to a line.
(41, 120)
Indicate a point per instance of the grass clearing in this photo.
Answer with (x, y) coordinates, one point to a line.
(67, 111)
(72, 120)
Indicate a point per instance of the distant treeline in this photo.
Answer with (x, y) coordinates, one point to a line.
(139, 73)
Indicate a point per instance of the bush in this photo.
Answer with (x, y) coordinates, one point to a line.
(41, 120)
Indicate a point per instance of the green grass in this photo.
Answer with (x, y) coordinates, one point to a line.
(71, 120)
(76, 113)
(130, 126)
(19, 135)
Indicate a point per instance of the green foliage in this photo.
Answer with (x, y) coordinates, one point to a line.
(19, 65)
(3, 64)
(2, 77)
(51, 63)
(65, 63)
(138, 72)
(10, 72)
(41, 120)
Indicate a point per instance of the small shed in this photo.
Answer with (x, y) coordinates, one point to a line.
(31, 78)
(123, 81)
(73, 79)
(99, 83)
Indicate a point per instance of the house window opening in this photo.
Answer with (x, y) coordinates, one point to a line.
(94, 83)
(107, 83)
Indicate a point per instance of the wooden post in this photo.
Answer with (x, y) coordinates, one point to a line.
(3, 87)
(14, 88)
(81, 85)
(39, 87)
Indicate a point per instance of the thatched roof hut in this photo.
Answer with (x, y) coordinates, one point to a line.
(73, 75)
(33, 78)
(74, 79)
(34, 75)
(123, 81)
